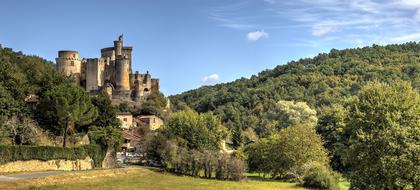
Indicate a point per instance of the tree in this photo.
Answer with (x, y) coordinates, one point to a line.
(291, 113)
(67, 107)
(8, 105)
(106, 112)
(107, 137)
(295, 149)
(199, 131)
(384, 143)
(289, 153)
(332, 127)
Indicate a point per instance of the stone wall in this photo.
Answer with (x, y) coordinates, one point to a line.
(50, 165)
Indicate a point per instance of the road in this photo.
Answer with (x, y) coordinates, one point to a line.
(31, 175)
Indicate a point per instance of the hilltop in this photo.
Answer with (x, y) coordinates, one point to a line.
(329, 78)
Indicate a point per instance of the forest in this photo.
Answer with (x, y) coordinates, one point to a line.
(362, 105)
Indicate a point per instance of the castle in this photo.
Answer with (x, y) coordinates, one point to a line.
(111, 73)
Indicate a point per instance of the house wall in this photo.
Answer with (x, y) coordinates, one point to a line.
(126, 121)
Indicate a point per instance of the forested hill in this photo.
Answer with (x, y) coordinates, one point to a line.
(320, 81)
(22, 75)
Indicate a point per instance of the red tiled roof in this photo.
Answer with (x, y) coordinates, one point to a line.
(123, 113)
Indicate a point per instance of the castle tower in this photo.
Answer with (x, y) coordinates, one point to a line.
(118, 45)
(95, 74)
(122, 74)
(68, 63)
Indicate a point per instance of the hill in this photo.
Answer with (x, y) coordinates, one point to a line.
(22, 75)
(329, 78)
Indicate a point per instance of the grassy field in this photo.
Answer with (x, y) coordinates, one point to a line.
(138, 179)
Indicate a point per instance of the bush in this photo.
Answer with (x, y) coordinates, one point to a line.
(23, 153)
(320, 177)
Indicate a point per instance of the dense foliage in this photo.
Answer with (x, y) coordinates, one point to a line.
(106, 112)
(320, 81)
(66, 107)
(15, 153)
(288, 154)
(196, 131)
(37, 104)
(22, 75)
(190, 144)
(384, 137)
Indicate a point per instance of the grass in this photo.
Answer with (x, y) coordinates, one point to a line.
(139, 179)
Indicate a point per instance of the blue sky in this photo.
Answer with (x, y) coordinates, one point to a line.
(189, 43)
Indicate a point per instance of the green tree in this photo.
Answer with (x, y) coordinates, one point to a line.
(198, 131)
(8, 105)
(107, 137)
(67, 107)
(332, 127)
(384, 128)
(288, 153)
(289, 113)
(295, 149)
(106, 112)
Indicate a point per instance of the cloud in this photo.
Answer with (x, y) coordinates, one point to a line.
(350, 21)
(321, 30)
(407, 37)
(257, 35)
(210, 79)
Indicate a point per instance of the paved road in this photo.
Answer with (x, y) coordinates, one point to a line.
(12, 177)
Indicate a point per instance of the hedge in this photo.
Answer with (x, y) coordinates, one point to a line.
(22, 153)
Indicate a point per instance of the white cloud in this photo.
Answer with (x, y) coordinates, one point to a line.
(211, 79)
(409, 3)
(356, 22)
(417, 16)
(321, 30)
(405, 38)
(256, 35)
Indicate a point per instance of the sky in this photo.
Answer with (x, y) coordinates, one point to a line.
(191, 43)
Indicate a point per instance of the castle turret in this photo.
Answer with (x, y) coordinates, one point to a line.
(122, 75)
(118, 45)
(69, 64)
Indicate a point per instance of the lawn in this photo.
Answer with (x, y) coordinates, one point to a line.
(138, 179)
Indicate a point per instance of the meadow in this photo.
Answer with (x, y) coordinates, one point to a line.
(141, 178)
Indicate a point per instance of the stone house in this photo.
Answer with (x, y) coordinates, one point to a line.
(126, 119)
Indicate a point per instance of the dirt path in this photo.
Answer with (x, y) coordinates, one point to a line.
(12, 177)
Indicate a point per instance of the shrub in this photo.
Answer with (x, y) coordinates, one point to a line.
(236, 168)
(320, 177)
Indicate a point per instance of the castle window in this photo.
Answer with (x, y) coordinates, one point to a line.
(72, 63)
(125, 119)
(74, 55)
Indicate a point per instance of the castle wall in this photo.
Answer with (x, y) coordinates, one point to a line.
(95, 74)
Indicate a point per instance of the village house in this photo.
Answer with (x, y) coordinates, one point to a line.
(126, 119)
(151, 121)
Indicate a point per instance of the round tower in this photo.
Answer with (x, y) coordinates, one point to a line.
(122, 75)
(68, 63)
(118, 45)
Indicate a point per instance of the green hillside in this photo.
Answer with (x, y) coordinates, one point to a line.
(321, 81)
(22, 75)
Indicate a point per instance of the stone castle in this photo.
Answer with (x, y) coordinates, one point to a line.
(111, 73)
